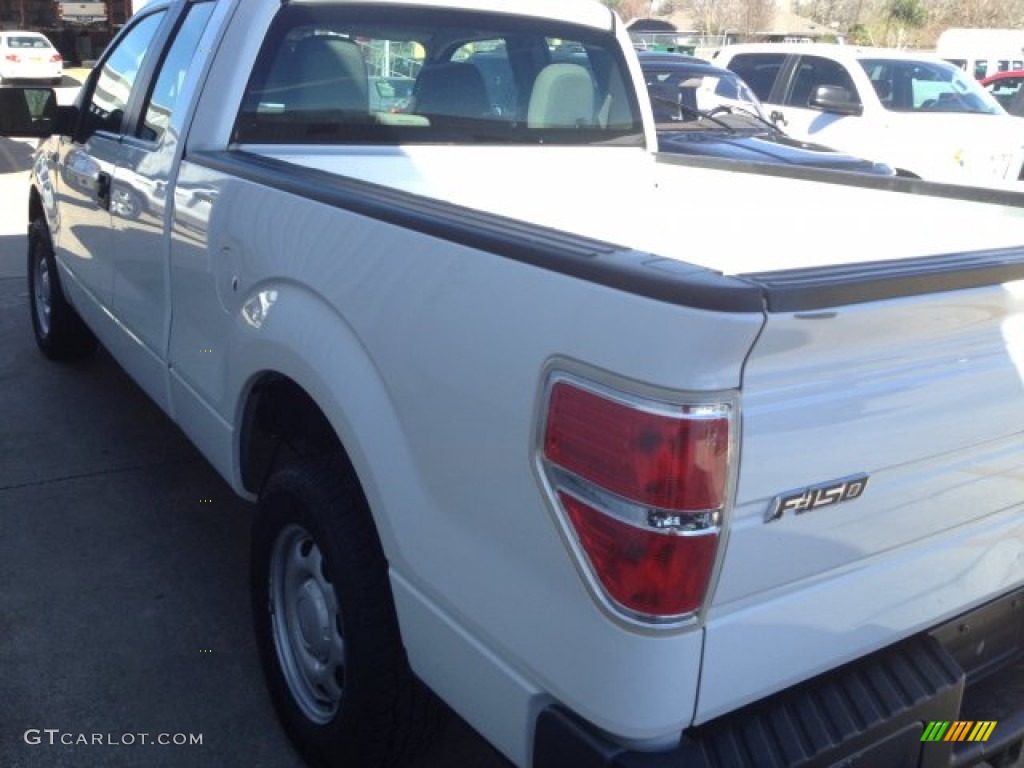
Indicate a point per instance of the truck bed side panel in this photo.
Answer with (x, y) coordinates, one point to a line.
(427, 353)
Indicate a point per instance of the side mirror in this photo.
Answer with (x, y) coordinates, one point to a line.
(835, 98)
(28, 112)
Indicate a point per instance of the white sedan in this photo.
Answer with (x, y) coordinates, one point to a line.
(29, 56)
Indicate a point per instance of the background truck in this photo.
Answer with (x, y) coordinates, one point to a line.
(82, 13)
(910, 110)
(633, 460)
(982, 52)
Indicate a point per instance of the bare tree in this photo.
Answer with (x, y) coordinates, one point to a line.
(630, 9)
(981, 13)
(756, 15)
(847, 16)
(712, 16)
(871, 17)
(864, 21)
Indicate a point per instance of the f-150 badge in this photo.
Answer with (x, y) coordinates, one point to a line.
(817, 496)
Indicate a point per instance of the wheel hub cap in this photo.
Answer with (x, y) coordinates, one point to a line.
(314, 620)
(306, 624)
(42, 295)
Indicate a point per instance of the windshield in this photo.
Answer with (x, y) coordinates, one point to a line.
(925, 86)
(677, 92)
(352, 73)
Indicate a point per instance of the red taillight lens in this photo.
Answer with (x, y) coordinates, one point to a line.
(641, 485)
(55, 58)
(650, 573)
(13, 57)
(677, 463)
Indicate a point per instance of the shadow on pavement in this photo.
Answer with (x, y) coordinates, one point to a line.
(15, 156)
(14, 243)
(67, 81)
(13, 257)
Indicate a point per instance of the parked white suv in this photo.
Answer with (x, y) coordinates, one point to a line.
(919, 114)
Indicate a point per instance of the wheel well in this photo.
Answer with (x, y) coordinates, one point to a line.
(282, 423)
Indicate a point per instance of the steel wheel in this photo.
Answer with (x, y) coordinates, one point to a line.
(306, 624)
(59, 331)
(325, 623)
(43, 294)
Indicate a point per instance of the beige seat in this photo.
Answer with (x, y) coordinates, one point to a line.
(562, 97)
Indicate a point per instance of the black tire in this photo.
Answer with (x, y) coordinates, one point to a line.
(59, 331)
(325, 623)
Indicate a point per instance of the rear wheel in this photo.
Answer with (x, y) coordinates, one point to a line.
(59, 331)
(325, 623)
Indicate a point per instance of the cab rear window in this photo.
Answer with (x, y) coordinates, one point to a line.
(351, 73)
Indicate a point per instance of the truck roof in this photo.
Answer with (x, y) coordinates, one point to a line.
(585, 12)
(834, 50)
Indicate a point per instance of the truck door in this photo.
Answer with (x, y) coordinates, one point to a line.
(802, 121)
(86, 166)
(139, 199)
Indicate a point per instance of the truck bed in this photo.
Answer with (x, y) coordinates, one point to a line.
(860, 369)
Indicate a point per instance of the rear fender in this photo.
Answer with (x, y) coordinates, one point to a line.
(299, 336)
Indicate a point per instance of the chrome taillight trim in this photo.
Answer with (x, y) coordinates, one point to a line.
(652, 399)
(644, 517)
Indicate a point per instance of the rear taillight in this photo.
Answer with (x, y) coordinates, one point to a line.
(12, 57)
(640, 485)
(55, 58)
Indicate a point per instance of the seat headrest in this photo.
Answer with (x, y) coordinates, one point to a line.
(562, 97)
(455, 88)
(324, 73)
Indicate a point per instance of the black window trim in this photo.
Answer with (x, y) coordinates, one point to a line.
(172, 14)
(794, 71)
(163, 40)
(784, 80)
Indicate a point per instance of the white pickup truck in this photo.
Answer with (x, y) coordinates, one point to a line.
(909, 109)
(633, 460)
(82, 13)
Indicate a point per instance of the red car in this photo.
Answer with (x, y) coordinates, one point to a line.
(1006, 87)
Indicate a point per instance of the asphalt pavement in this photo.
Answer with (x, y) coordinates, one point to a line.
(124, 611)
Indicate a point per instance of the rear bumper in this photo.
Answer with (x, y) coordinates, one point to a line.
(871, 712)
(42, 72)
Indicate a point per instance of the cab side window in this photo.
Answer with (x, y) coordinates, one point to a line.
(106, 106)
(164, 95)
(814, 71)
(759, 71)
